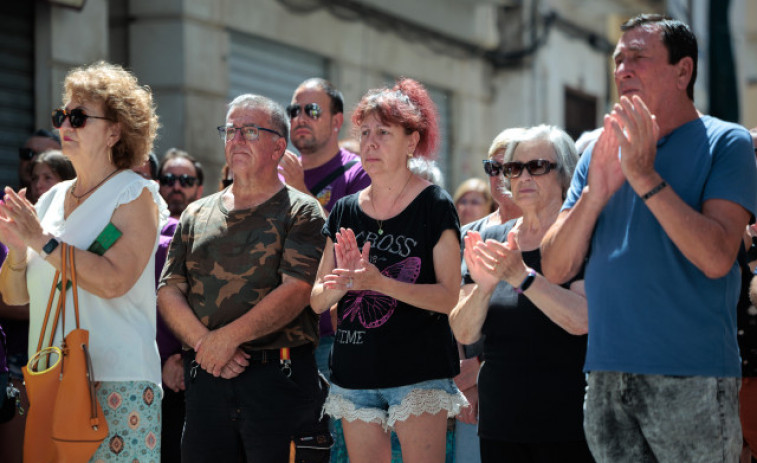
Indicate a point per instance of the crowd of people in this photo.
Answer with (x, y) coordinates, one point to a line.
(585, 305)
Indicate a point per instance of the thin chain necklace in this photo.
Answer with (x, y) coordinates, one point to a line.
(76, 182)
(394, 203)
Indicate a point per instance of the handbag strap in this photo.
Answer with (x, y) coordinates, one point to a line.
(74, 286)
(47, 311)
(67, 262)
(62, 296)
(61, 302)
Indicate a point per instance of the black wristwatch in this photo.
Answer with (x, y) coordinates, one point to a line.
(48, 248)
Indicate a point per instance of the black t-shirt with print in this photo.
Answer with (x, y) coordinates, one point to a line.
(382, 342)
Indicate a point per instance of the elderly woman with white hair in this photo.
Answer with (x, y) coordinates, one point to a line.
(531, 382)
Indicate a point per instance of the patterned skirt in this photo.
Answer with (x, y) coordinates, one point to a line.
(132, 410)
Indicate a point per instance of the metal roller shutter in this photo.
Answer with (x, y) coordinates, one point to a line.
(16, 85)
(268, 68)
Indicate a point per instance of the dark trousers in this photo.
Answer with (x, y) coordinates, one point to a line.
(172, 425)
(254, 416)
(544, 452)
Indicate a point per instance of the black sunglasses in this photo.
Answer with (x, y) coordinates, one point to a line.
(26, 154)
(76, 117)
(534, 167)
(184, 180)
(492, 167)
(311, 109)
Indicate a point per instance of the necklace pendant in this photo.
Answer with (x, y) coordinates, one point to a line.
(380, 231)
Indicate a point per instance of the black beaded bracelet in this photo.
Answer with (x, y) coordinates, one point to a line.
(655, 190)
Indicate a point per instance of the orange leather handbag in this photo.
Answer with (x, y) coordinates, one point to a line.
(65, 421)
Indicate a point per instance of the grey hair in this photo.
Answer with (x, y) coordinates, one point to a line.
(427, 169)
(503, 140)
(565, 151)
(276, 113)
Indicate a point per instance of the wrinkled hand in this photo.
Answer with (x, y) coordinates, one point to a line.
(605, 175)
(637, 132)
(483, 278)
(290, 167)
(173, 373)
(19, 224)
(469, 413)
(214, 351)
(502, 261)
(238, 363)
(468, 374)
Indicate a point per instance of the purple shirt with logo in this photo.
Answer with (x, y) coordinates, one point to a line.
(351, 181)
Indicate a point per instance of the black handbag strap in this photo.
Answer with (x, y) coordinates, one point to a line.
(331, 177)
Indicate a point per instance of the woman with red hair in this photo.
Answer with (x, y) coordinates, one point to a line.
(391, 264)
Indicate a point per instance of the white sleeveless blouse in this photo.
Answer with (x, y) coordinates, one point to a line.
(122, 329)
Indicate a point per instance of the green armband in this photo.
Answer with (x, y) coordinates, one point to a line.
(105, 239)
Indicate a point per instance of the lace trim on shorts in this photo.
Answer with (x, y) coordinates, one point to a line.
(430, 401)
(338, 407)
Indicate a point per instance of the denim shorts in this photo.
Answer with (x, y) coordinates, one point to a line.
(388, 405)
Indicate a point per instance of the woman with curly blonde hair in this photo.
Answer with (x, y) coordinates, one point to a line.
(107, 125)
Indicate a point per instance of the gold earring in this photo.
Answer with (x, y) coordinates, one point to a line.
(410, 154)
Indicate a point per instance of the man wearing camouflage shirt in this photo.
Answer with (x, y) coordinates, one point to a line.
(235, 290)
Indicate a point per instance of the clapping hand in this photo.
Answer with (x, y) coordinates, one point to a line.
(290, 167)
(637, 131)
(19, 224)
(490, 262)
(353, 268)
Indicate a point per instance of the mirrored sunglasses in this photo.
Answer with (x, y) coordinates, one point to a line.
(249, 132)
(77, 117)
(312, 110)
(184, 180)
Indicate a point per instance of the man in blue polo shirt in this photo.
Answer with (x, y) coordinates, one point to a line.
(656, 212)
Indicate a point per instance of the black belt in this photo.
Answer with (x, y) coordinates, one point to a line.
(282, 357)
(265, 356)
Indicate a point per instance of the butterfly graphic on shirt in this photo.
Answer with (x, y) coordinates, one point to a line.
(372, 308)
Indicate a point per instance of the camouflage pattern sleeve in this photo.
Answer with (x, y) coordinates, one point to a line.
(304, 243)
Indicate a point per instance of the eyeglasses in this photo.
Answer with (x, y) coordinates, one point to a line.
(249, 132)
(76, 117)
(535, 167)
(26, 154)
(311, 109)
(184, 180)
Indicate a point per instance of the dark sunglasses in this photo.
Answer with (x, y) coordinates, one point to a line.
(184, 180)
(535, 167)
(76, 117)
(26, 154)
(311, 109)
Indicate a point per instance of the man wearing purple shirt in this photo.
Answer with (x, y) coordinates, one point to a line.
(323, 170)
(169, 347)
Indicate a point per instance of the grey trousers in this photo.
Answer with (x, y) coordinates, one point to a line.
(652, 418)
